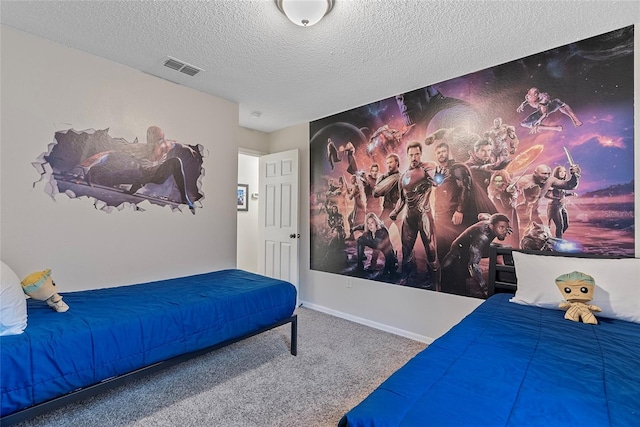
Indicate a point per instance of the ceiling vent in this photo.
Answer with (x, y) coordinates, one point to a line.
(183, 67)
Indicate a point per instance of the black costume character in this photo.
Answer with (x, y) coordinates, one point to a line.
(461, 273)
(141, 164)
(335, 221)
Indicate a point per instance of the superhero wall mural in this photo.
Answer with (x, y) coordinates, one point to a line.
(536, 153)
(116, 173)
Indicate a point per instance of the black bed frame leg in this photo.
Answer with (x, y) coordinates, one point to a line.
(294, 335)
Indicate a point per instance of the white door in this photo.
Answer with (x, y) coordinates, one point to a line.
(278, 211)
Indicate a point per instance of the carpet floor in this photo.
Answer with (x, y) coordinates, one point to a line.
(255, 382)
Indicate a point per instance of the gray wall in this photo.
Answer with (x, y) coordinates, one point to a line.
(418, 314)
(47, 87)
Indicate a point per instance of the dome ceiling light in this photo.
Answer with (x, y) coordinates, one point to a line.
(305, 13)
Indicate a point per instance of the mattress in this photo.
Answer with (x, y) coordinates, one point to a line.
(109, 332)
(511, 365)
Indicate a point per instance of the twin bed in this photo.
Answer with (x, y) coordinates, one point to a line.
(523, 364)
(505, 364)
(112, 335)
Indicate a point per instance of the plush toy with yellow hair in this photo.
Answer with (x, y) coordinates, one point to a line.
(40, 286)
(577, 289)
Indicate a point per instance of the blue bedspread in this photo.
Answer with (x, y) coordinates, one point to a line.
(512, 365)
(109, 332)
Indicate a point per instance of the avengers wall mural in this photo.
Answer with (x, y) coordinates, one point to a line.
(536, 153)
(116, 173)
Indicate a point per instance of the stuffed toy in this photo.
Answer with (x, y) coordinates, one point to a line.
(40, 286)
(577, 289)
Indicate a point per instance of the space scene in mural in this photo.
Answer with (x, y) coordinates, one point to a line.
(536, 154)
(116, 173)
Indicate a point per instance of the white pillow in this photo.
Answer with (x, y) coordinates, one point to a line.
(617, 290)
(13, 305)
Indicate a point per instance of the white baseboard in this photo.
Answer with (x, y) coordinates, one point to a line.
(376, 325)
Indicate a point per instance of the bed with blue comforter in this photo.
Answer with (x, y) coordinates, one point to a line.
(110, 332)
(507, 364)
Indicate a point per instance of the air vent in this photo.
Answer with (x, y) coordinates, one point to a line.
(173, 64)
(181, 66)
(189, 70)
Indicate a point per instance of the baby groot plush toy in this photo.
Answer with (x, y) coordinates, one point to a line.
(40, 286)
(577, 289)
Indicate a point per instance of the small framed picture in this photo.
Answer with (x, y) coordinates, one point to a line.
(243, 197)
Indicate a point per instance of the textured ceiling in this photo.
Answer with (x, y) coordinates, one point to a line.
(363, 51)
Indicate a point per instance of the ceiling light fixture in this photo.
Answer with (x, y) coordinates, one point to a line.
(305, 13)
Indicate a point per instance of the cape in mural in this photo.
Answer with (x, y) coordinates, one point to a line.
(117, 173)
(536, 153)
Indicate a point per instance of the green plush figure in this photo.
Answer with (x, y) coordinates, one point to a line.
(577, 289)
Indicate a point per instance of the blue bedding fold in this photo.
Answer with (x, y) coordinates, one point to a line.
(109, 332)
(511, 365)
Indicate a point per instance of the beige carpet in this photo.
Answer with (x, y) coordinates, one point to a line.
(255, 382)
